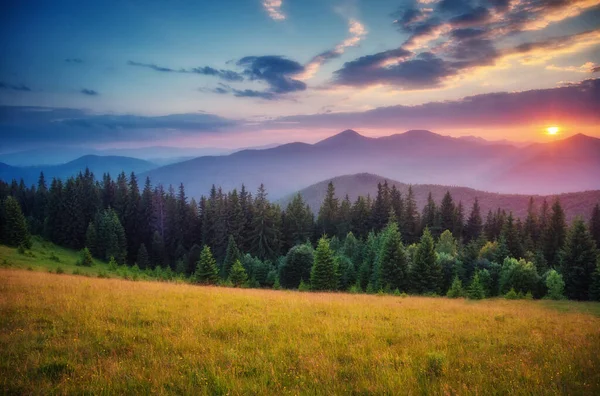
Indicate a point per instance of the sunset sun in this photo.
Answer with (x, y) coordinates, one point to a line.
(553, 130)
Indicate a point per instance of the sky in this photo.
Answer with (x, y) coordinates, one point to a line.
(234, 73)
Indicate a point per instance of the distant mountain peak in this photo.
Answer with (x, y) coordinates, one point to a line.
(347, 136)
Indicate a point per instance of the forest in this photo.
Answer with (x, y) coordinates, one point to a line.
(382, 244)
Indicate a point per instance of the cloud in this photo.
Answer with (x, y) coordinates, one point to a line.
(26, 126)
(276, 71)
(227, 75)
(273, 8)
(577, 102)
(73, 60)
(475, 17)
(89, 92)
(357, 33)
(15, 87)
(588, 67)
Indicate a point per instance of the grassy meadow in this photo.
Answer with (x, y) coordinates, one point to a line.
(65, 334)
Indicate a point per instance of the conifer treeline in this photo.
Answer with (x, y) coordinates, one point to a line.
(384, 243)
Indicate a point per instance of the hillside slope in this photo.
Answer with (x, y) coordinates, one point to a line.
(363, 184)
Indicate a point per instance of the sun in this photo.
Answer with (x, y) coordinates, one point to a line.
(553, 130)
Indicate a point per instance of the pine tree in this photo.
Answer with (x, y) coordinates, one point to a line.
(456, 290)
(265, 238)
(475, 291)
(143, 260)
(410, 231)
(206, 269)
(91, 240)
(555, 235)
(371, 251)
(231, 256)
(15, 231)
(323, 274)
(328, 213)
(531, 227)
(361, 215)
(447, 213)
(511, 237)
(430, 218)
(382, 206)
(447, 244)
(474, 225)
(344, 221)
(426, 272)
(298, 223)
(595, 284)
(238, 275)
(394, 260)
(595, 225)
(85, 258)
(579, 261)
(236, 221)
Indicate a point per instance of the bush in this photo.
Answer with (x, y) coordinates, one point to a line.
(511, 295)
(304, 286)
(435, 364)
(355, 289)
(85, 258)
(21, 249)
(112, 264)
(54, 257)
(528, 296)
(456, 290)
(102, 274)
(59, 270)
(76, 272)
(555, 285)
(475, 291)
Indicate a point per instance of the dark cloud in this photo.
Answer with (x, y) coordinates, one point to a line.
(578, 102)
(73, 60)
(89, 92)
(475, 17)
(500, 5)
(23, 126)
(276, 71)
(596, 69)
(15, 87)
(227, 75)
(249, 93)
(454, 6)
(467, 33)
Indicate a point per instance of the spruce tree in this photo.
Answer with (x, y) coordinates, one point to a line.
(475, 291)
(298, 223)
(143, 260)
(555, 235)
(474, 225)
(579, 261)
(595, 284)
(91, 240)
(426, 272)
(344, 221)
(447, 244)
(456, 290)
(447, 213)
(296, 266)
(394, 260)
(595, 225)
(238, 275)
(231, 256)
(361, 217)
(511, 237)
(206, 269)
(328, 213)
(410, 231)
(15, 231)
(323, 275)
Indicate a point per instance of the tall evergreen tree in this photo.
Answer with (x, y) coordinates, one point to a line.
(344, 222)
(595, 224)
(382, 206)
(474, 223)
(143, 260)
(237, 274)
(430, 217)
(15, 231)
(328, 213)
(511, 237)
(296, 266)
(361, 217)
(410, 231)
(324, 274)
(394, 260)
(447, 213)
(579, 261)
(298, 222)
(265, 236)
(426, 271)
(231, 256)
(555, 235)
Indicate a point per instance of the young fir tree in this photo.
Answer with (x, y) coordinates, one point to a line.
(143, 260)
(447, 244)
(579, 261)
(426, 272)
(410, 231)
(206, 269)
(85, 258)
(476, 291)
(555, 285)
(323, 275)
(456, 290)
(232, 255)
(15, 231)
(394, 260)
(238, 275)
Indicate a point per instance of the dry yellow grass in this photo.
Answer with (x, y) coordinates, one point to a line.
(62, 334)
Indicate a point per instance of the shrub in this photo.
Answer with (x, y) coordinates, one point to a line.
(303, 287)
(59, 270)
(112, 264)
(456, 290)
(435, 364)
(21, 249)
(85, 258)
(29, 268)
(555, 285)
(54, 257)
(76, 272)
(528, 296)
(475, 291)
(102, 274)
(511, 295)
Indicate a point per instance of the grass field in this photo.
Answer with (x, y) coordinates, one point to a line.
(64, 334)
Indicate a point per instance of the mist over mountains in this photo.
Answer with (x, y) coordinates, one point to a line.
(413, 157)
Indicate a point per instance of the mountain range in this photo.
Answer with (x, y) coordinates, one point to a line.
(422, 157)
(97, 164)
(363, 184)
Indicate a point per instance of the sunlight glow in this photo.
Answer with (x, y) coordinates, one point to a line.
(553, 130)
